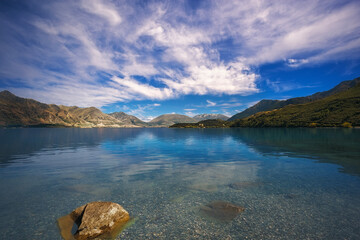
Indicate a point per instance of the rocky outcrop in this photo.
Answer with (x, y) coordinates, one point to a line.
(100, 220)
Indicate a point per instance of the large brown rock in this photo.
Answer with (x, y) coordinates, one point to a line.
(100, 220)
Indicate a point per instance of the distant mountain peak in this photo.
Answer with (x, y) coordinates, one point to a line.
(128, 119)
(7, 93)
(170, 119)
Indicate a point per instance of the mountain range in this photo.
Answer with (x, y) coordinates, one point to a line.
(16, 112)
(334, 107)
(21, 112)
(338, 107)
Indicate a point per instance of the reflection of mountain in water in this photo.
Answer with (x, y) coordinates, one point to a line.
(337, 146)
(28, 141)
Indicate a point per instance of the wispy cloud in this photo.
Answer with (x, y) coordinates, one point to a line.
(191, 114)
(141, 111)
(222, 104)
(210, 103)
(279, 87)
(296, 62)
(250, 104)
(103, 9)
(276, 30)
(90, 52)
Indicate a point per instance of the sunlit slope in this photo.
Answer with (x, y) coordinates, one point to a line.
(332, 111)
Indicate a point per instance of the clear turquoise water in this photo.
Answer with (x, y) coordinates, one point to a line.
(306, 182)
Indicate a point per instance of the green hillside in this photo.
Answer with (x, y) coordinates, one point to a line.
(210, 123)
(333, 111)
(268, 105)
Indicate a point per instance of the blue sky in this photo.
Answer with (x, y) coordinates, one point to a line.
(148, 58)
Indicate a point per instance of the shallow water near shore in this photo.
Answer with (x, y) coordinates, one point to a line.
(291, 183)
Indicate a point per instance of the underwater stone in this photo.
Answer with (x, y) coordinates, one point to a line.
(241, 185)
(221, 210)
(100, 220)
(204, 187)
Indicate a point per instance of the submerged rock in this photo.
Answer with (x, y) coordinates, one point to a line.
(290, 196)
(100, 220)
(241, 185)
(221, 210)
(204, 187)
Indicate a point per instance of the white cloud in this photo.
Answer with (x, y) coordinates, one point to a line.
(140, 111)
(147, 118)
(70, 95)
(210, 103)
(232, 78)
(144, 91)
(136, 64)
(345, 51)
(296, 62)
(278, 86)
(190, 114)
(76, 53)
(230, 105)
(273, 31)
(223, 104)
(102, 9)
(250, 104)
(226, 113)
(125, 108)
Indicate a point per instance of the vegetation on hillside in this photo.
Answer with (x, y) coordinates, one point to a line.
(339, 110)
(268, 105)
(211, 123)
(207, 116)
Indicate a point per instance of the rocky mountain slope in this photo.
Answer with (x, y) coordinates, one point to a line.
(16, 111)
(128, 119)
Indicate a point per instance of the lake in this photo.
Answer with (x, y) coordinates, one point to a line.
(293, 183)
